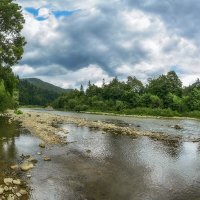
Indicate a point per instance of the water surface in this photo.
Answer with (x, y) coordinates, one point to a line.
(97, 166)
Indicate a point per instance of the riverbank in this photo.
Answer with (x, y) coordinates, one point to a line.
(138, 116)
(48, 127)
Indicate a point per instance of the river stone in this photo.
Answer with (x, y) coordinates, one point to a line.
(46, 158)
(18, 194)
(23, 192)
(177, 127)
(14, 167)
(17, 182)
(28, 176)
(8, 181)
(32, 160)
(26, 166)
(42, 145)
(11, 197)
(1, 190)
(6, 188)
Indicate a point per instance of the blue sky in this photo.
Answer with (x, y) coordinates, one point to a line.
(71, 41)
(57, 13)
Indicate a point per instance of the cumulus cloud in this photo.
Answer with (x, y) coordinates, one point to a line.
(105, 39)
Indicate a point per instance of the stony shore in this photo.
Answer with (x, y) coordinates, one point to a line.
(46, 126)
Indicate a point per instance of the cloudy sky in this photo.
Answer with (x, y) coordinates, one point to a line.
(73, 41)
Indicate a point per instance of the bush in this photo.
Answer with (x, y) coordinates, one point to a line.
(18, 112)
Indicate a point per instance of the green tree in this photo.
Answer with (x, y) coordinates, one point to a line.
(194, 99)
(11, 47)
(135, 85)
(11, 40)
(165, 84)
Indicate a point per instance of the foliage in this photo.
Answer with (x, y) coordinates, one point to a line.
(30, 94)
(11, 50)
(18, 112)
(11, 40)
(162, 96)
(46, 86)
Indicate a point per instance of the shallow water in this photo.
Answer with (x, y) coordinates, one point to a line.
(118, 168)
(97, 166)
(13, 143)
(190, 127)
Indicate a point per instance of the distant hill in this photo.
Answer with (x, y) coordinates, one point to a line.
(33, 91)
(46, 86)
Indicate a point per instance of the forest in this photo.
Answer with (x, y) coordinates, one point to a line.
(161, 96)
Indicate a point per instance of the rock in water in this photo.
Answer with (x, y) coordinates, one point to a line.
(26, 166)
(42, 145)
(32, 160)
(47, 158)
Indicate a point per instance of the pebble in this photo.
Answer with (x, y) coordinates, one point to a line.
(23, 192)
(26, 166)
(18, 194)
(42, 145)
(28, 176)
(1, 190)
(17, 182)
(14, 167)
(47, 158)
(6, 188)
(11, 197)
(8, 181)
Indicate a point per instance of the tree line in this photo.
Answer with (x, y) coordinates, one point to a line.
(163, 95)
(30, 94)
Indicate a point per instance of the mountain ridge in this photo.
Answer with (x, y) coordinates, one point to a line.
(45, 85)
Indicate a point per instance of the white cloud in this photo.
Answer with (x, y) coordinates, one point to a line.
(103, 40)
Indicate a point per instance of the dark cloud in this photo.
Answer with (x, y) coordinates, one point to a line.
(116, 37)
(86, 39)
(182, 16)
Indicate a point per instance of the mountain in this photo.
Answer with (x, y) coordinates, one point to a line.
(34, 91)
(46, 86)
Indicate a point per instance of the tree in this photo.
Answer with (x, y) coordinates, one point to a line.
(194, 99)
(11, 40)
(135, 85)
(165, 84)
(11, 47)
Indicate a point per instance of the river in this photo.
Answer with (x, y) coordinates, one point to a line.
(97, 166)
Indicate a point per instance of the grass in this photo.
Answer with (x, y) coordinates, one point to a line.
(157, 112)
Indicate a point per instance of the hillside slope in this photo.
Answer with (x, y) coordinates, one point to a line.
(36, 92)
(46, 86)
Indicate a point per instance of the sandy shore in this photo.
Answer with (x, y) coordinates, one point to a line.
(46, 126)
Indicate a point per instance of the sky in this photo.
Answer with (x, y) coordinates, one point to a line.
(70, 42)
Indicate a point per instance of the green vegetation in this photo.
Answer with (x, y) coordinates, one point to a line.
(18, 112)
(161, 96)
(11, 50)
(46, 86)
(36, 92)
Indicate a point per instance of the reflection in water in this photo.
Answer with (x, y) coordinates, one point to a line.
(13, 143)
(136, 169)
(117, 167)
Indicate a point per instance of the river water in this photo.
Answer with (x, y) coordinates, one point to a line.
(97, 166)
